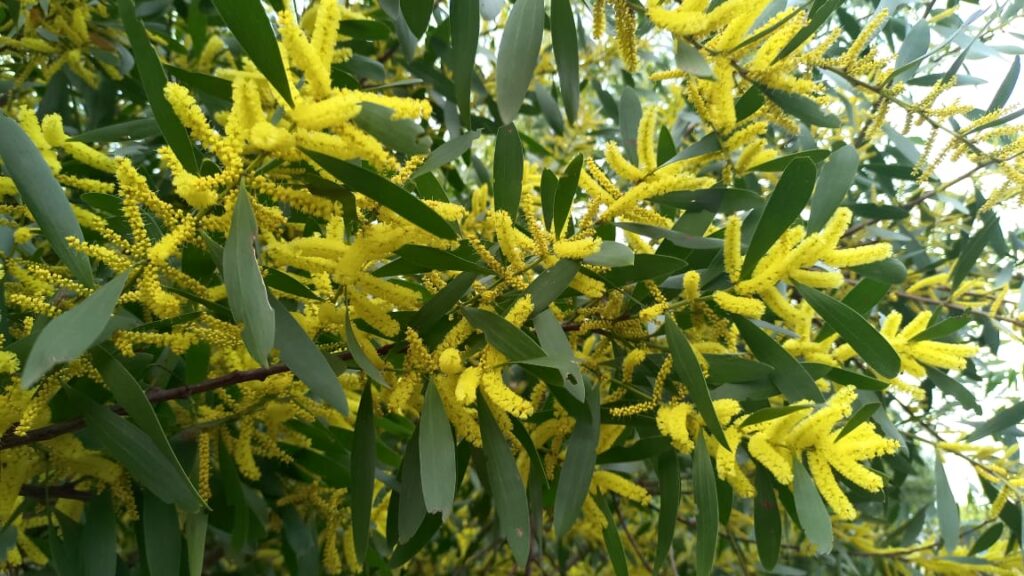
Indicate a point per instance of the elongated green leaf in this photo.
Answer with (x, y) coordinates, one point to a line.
(1002, 420)
(944, 328)
(612, 541)
(249, 23)
(507, 489)
(549, 285)
(773, 412)
(780, 163)
(446, 152)
(417, 15)
(300, 538)
(162, 536)
(139, 455)
(98, 552)
(681, 239)
(767, 520)
(914, 47)
(195, 540)
(465, 22)
(360, 357)
(872, 346)
(789, 376)
(555, 343)
(612, 255)
(630, 113)
(705, 491)
(804, 109)
(500, 333)
(1002, 95)
(835, 180)
(818, 16)
(437, 307)
(363, 463)
(568, 185)
(129, 130)
(285, 282)
(508, 170)
(670, 486)
(69, 335)
(43, 196)
(987, 539)
(862, 415)
(784, 206)
(305, 360)
(951, 387)
(972, 250)
(247, 295)
(153, 77)
(949, 511)
(385, 193)
(686, 368)
(437, 454)
(810, 508)
(411, 509)
(567, 58)
(518, 55)
(578, 470)
(689, 59)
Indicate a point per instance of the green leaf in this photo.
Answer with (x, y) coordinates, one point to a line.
(385, 193)
(465, 24)
(724, 368)
(411, 508)
(139, 455)
(446, 152)
(195, 540)
(789, 376)
(949, 511)
(69, 335)
(437, 454)
(914, 47)
(890, 271)
(681, 239)
(630, 113)
(810, 509)
(670, 487)
(946, 327)
(433, 310)
(507, 489)
(503, 335)
(773, 412)
(689, 59)
(1002, 95)
(612, 541)
(247, 295)
(285, 282)
(362, 464)
(780, 163)
(686, 369)
(404, 135)
(972, 250)
(1002, 420)
(872, 346)
(804, 109)
(162, 536)
(151, 72)
(43, 196)
(862, 415)
(612, 255)
(508, 170)
(784, 206)
(578, 469)
(549, 285)
(248, 21)
(705, 491)
(518, 54)
(98, 552)
(417, 15)
(360, 357)
(767, 520)
(305, 360)
(835, 180)
(951, 387)
(129, 130)
(555, 343)
(987, 539)
(817, 18)
(568, 184)
(564, 45)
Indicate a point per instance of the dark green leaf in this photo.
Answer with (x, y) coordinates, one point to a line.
(670, 487)
(43, 196)
(285, 282)
(784, 206)
(810, 508)
(705, 491)
(465, 23)
(578, 469)
(987, 539)
(69, 335)
(612, 541)
(503, 335)
(804, 109)
(151, 72)
(1002, 420)
(98, 552)
(862, 415)
(971, 251)
(568, 184)
(686, 369)
(129, 130)
(953, 388)
(817, 18)
(411, 508)
(549, 285)
(437, 454)
(507, 489)
(363, 463)
(949, 511)
(789, 376)
(446, 152)
(360, 357)
(773, 412)
(508, 170)
(249, 23)
(681, 239)
(417, 15)
(564, 45)
(835, 180)
(890, 271)
(872, 346)
(782, 162)
(247, 295)
(767, 520)
(518, 54)
(555, 343)
(914, 47)
(385, 193)
(162, 536)
(727, 368)
(946, 327)
(305, 360)
(612, 255)
(195, 540)
(1002, 95)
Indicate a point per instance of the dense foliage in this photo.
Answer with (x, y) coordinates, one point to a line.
(476, 286)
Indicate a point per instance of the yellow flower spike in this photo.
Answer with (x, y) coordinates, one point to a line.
(858, 256)
(450, 362)
(300, 52)
(469, 381)
(611, 482)
(621, 166)
(830, 490)
(501, 396)
(742, 305)
(732, 256)
(672, 422)
(577, 249)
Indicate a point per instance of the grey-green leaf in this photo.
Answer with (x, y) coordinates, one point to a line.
(564, 44)
(686, 368)
(363, 463)
(305, 360)
(360, 357)
(789, 376)
(465, 22)
(43, 196)
(507, 489)
(612, 255)
(508, 170)
(518, 55)
(69, 335)
(784, 206)
(446, 152)
(195, 541)
(1002, 420)
(810, 509)
(162, 536)
(437, 454)
(578, 469)
(949, 511)
(503, 335)
(834, 181)
(248, 21)
(705, 491)
(247, 295)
